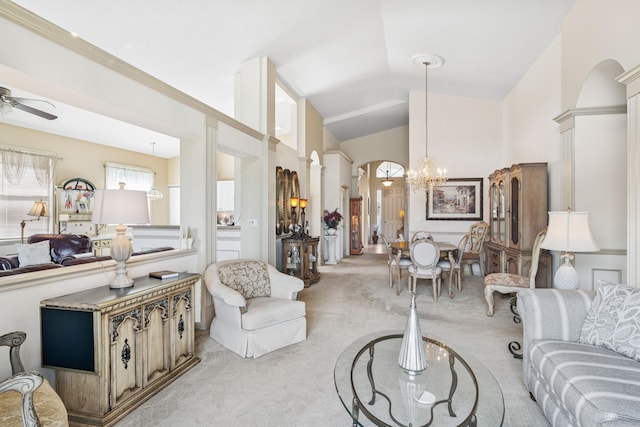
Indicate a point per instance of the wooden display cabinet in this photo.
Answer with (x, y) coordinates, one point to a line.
(355, 214)
(113, 349)
(518, 197)
(300, 259)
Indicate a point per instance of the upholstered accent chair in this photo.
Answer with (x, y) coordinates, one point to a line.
(256, 311)
(474, 253)
(424, 265)
(26, 398)
(507, 283)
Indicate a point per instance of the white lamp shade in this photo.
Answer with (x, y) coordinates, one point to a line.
(569, 232)
(120, 207)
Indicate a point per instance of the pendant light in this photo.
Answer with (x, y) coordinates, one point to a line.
(426, 175)
(387, 182)
(154, 194)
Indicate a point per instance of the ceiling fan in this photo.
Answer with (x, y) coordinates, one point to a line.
(7, 102)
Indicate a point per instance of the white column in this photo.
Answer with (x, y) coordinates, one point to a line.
(632, 80)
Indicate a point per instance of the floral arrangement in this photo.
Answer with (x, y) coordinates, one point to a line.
(332, 219)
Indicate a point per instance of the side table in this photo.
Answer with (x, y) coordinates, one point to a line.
(300, 258)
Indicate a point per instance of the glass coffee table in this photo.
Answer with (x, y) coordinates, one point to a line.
(376, 391)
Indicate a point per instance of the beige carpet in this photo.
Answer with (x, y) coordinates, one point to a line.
(294, 386)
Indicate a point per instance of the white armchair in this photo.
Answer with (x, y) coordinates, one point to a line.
(256, 311)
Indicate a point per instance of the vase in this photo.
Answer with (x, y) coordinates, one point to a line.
(412, 358)
(331, 231)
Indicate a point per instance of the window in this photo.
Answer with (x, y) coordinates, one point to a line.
(134, 177)
(394, 170)
(25, 178)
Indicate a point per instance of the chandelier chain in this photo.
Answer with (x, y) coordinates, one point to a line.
(426, 108)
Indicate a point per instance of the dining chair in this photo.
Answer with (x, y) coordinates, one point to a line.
(454, 270)
(395, 263)
(473, 253)
(506, 283)
(420, 235)
(424, 265)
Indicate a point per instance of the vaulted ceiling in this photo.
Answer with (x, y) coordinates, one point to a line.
(351, 59)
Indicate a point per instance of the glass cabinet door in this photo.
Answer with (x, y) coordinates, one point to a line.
(501, 212)
(515, 212)
(493, 194)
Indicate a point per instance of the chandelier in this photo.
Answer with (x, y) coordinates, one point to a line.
(154, 194)
(426, 175)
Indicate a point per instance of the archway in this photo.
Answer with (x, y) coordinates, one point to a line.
(381, 185)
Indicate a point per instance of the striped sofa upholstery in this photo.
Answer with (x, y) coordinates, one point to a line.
(575, 384)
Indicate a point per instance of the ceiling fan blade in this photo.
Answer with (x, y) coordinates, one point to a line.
(32, 110)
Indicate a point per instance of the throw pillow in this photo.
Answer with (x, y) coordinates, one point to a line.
(34, 253)
(613, 320)
(249, 278)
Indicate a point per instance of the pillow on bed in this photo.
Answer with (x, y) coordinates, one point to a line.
(613, 321)
(34, 253)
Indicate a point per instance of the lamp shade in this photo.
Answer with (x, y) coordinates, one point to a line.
(120, 207)
(39, 209)
(569, 232)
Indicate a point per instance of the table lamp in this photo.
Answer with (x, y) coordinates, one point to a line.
(568, 232)
(38, 210)
(303, 206)
(120, 207)
(293, 202)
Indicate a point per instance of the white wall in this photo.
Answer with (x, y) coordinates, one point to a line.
(530, 134)
(465, 137)
(592, 32)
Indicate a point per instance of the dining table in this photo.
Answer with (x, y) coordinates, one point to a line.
(447, 250)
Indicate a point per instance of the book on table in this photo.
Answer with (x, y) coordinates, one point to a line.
(164, 274)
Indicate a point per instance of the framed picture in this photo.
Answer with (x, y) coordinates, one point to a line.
(458, 199)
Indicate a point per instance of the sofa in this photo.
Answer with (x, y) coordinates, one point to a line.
(49, 251)
(581, 354)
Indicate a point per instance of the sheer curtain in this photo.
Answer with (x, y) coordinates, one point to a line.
(25, 178)
(135, 178)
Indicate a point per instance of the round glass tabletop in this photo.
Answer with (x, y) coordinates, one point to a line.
(452, 391)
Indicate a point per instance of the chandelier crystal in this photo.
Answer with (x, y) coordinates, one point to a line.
(426, 175)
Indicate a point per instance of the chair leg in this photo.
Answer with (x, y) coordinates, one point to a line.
(390, 277)
(488, 296)
(435, 284)
(450, 280)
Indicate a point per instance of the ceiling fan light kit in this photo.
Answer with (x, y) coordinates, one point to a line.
(8, 103)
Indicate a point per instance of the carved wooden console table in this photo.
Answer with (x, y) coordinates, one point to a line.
(115, 348)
